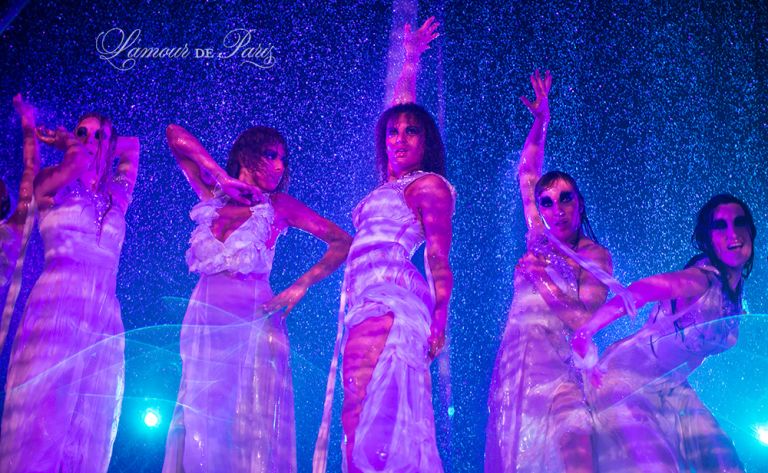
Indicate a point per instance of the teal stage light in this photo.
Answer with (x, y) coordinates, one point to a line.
(151, 417)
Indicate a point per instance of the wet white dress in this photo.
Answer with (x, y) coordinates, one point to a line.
(536, 394)
(648, 418)
(66, 373)
(235, 405)
(396, 430)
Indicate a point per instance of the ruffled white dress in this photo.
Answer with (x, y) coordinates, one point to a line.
(235, 405)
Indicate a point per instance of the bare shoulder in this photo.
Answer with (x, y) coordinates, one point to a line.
(287, 206)
(430, 186)
(595, 252)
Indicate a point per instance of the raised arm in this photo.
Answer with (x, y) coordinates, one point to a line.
(573, 311)
(201, 170)
(432, 200)
(295, 214)
(532, 156)
(414, 44)
(31, 158)
(75, 162)
(127, 154)
(688, 283)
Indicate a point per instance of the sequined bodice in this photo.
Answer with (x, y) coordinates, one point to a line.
(82, 227)
(527, 305)
(245, 250)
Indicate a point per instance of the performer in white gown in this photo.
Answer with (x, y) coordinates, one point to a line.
(395, 319)
(66, 372)
(235, 406)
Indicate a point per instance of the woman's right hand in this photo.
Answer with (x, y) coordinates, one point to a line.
(416, 42)
(241, 192)
(60, 138)
(25, 110)
(541, 86)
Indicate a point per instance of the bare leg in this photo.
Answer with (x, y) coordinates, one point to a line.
(575, 443)
(365, 342)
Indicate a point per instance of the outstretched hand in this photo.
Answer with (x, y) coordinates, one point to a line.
(585, 355)
(60, 138)
(541, 86)
(241, 192)
(436, 341)
(25, 110)
(416, 42)
(286, 300)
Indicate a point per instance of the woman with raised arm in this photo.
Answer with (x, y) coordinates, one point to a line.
(66, 373)
(16, 227)
(648, 418)
(393, 318)
(538, 417)
(235, 404)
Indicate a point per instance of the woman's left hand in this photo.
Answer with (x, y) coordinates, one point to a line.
(286, 300)
(531, 265)
(581, 341)
(25, 110)
(241, 192)
(416, 42)
(436, 340)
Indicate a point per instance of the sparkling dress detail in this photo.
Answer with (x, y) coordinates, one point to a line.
(536, 394)
(235, 405)
(66, 373)
(648, 418)
(396, 430)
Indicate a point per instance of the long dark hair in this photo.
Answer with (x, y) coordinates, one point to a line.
(547, 180)
(434, 150)
(702, 240)
(248, 151)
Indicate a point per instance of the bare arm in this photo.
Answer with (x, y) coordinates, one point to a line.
(688, 283)
(532, 156)
(432, 201)
(414, 43)
(127, 152)
(31, 158)
(573, 311)
(297, 215)
(75, 162)
(201, 169)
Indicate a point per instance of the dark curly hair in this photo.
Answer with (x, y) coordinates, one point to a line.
(548, 179)
(248, 151)
(702, 233)
(434, 150)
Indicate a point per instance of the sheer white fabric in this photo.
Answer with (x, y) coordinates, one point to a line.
(536, 395)
(648, 418)
(66, 374)
(396, 430)
(235, 405)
